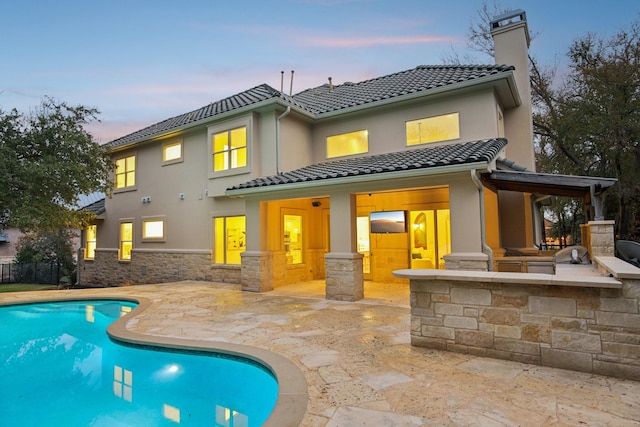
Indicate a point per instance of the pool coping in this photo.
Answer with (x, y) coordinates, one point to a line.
(293, 396)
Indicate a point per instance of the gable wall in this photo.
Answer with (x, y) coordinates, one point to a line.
(478, 120)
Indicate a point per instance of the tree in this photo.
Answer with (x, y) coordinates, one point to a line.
(47, 160)
(590, 124)
(53, 248)
(587, 122)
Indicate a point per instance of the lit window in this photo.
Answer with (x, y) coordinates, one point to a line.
(230, 149)
(433, 129)
(293, 238)
(172, 152)
(90, 242)
(126, 172)
(230, 239)
(348, 143)
(153, 229)
(126, 240)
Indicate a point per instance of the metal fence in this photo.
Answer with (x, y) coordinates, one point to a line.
(36, 272)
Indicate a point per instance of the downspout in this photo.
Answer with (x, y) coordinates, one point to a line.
(280, 117)
(483, 232)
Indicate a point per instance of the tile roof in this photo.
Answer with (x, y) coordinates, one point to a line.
(325, 99)
(96, 207)
(249, 97)
(418, 158)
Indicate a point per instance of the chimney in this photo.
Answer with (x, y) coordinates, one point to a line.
(511, 39)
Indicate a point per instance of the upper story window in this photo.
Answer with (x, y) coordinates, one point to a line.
(433, 129)
(230, 149)
(347, 144)
(126, 172)
(172, 152)
(90, 242)
(230, 145)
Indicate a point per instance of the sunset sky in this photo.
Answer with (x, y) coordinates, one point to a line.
(140, 62)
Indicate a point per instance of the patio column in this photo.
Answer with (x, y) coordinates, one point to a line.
(256, 274)
(343, 264)
(466, 223)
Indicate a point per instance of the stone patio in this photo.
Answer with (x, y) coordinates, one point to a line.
(359, 365)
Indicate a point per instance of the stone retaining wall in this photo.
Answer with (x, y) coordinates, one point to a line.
(589, 324)
(153, 267)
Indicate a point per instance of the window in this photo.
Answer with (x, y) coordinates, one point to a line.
(230, 149)
(172, 152)
(293, 238)
(153, 229)
(348, 143)
(126, 241)
(433, 129)
(90, 242)
(126, 172)
(229, 236)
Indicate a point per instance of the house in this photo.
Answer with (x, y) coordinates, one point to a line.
(431, 167)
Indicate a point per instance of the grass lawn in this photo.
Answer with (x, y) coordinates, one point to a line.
(20, 287)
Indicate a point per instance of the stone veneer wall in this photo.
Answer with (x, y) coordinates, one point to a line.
(600, 238)
(153, 267)
(589, 324)
(256, 274)
(344, 276)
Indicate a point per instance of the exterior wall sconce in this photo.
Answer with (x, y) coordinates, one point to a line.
(315, 203)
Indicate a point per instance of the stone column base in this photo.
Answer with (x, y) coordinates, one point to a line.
(468, 261)
(256, 274)
(344, 276)
(601, 238)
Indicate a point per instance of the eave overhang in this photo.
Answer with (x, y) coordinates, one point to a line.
(547, 184)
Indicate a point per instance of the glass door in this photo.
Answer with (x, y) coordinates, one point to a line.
(364, 246)
(430, 238)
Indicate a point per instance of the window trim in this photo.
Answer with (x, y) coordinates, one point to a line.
(229, 125)
(172, 143)
(133, 229)
(135, 171)
(406, 133)
(156, 218)
(326, 143)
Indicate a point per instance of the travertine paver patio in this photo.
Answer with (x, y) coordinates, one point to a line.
(361, 369)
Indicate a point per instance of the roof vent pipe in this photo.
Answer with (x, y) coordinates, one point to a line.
(281, 82)
(330, 85)
(291, 87)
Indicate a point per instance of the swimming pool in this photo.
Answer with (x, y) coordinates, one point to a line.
(61, 368)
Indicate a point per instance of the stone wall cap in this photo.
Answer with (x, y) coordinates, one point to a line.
(604, 222)
(467, 256)
(516, 279)
(343, 255)
(618, 268)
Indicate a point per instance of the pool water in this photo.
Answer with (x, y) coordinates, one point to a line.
(61, 368)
